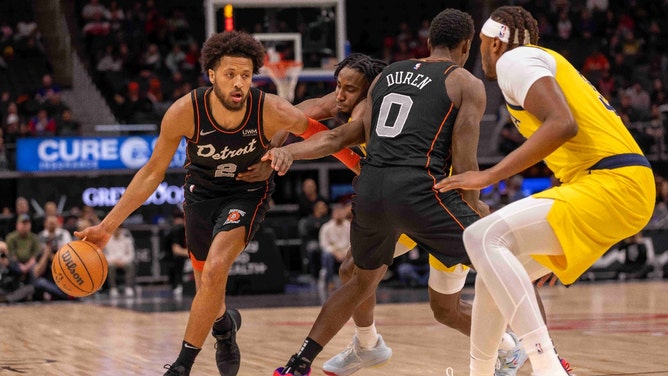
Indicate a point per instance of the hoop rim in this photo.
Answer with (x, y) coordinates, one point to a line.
(280, 68)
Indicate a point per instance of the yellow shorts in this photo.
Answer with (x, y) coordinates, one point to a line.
(442, 279)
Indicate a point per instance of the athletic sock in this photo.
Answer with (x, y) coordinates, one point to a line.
(187, 355)
(222, 324)
(367, 336)
(309, 350)
(541, 352)
(301, 361)
(482, 367)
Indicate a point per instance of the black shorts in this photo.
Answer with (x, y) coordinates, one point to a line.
(390, 201)
(204, 219)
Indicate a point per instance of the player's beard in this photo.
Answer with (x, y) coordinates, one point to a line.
(227, 102)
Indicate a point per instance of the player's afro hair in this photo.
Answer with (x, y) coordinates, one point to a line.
(232, 43)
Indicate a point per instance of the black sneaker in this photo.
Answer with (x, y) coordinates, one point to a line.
(176, 370)
(228, 357)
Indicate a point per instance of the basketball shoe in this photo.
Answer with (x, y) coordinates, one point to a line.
(228, 357)
(567, 366)
(509, 362)
(354, 357)
(279, 372)
(176, 370)
(296, 366)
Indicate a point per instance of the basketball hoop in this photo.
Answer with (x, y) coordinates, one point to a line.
(284, 74)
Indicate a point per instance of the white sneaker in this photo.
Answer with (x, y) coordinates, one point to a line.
(509, 362)
(178, 291)
(113, 292)
(129, 292)
(354, 358)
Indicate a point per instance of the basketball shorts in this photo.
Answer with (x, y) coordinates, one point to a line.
(390, 201)
(204, 219)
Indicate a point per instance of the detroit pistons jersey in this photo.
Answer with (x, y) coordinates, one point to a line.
(407, 132)
(216, 155)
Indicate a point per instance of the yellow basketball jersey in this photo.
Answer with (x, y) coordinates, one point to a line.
(596, 120)
(593, 209)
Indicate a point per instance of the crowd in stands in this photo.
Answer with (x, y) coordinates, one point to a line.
(142, 57)
(620, 47)
(31, 103)
(30, 238)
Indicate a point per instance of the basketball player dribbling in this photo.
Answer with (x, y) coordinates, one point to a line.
(228, 127)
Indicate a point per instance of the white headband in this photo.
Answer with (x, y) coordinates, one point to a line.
(494, 29)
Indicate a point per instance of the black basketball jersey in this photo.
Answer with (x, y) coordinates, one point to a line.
(412, 117)
(215, 155)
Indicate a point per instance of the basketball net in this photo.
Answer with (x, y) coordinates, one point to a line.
(284, 74)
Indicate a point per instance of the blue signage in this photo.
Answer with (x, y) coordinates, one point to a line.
(89, 153)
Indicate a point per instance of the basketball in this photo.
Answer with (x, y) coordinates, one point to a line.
(79, 268)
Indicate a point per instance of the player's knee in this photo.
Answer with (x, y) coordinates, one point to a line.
(473, 238)
(364, 284)
(215, 271)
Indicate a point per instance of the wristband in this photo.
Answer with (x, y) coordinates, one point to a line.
(313, 127)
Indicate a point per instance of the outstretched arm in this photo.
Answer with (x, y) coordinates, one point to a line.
(319, 108)
(317, 146)
(547, 103)
(281, 115)
(173, 128)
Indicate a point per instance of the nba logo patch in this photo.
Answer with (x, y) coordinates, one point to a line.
(417, 66)
(234, 216)
(502, 31)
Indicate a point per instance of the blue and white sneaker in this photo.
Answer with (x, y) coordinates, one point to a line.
(354, 358)
(509, 362)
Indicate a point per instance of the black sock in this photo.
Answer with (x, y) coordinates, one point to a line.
(309, 350)
(223, 324)
(301, 361)
(187, 355)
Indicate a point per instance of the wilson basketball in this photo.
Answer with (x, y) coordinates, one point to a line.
(79, 268)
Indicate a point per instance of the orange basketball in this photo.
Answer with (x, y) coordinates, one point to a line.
(79, 268)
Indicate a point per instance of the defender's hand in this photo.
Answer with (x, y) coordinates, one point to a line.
(465, 180)
(281, 160)
(260, 171)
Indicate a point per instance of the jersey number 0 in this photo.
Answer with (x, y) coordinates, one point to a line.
(404, 102)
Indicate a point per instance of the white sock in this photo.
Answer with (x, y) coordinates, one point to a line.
(482, 367)
(507, 342)
(541, 352)
(367, 335)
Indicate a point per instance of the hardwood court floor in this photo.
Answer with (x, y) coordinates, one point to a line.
(601, 328)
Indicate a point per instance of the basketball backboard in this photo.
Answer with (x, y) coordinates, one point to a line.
(312, 31)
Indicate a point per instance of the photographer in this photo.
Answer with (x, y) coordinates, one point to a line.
(53, 233)
(51, 239)
(11, 288)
